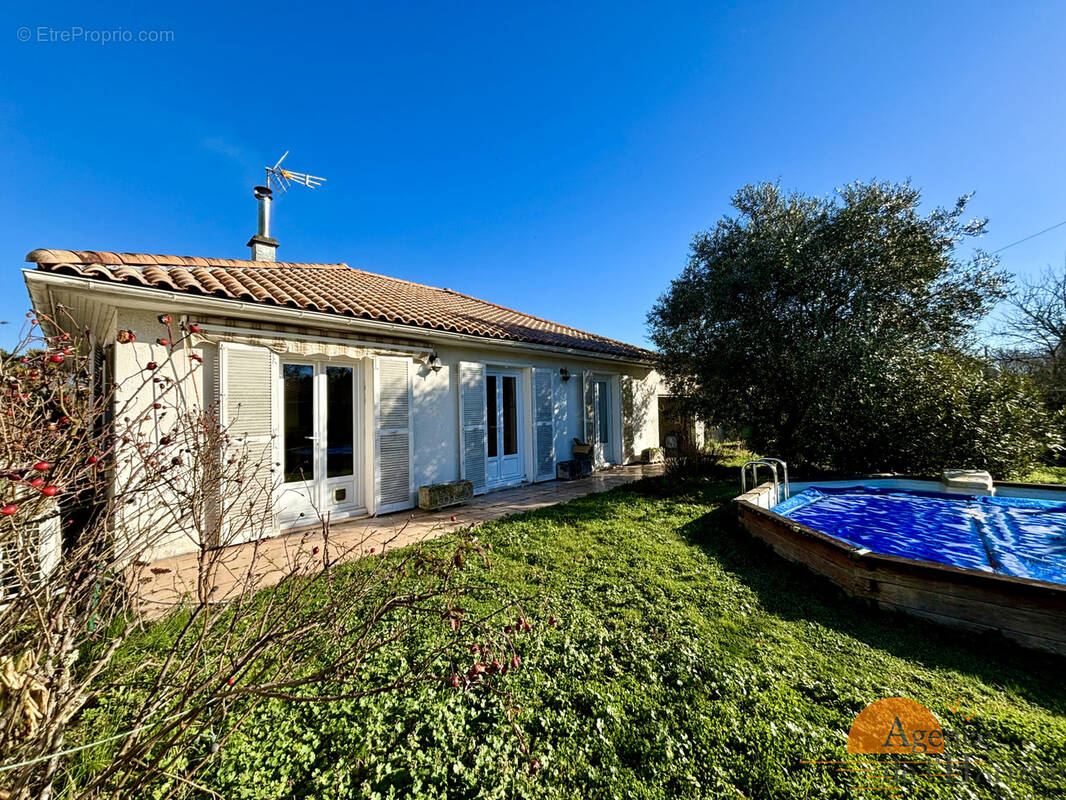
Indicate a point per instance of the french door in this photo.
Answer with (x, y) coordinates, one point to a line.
(602, 446)
(504, 442)
(320, 442)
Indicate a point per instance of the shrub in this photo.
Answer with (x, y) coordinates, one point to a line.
(693, 461)
(92, 478)
(922, 413)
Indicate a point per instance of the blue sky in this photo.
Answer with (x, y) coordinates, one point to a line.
(556, 158)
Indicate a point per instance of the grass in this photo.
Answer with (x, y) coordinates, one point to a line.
(689, 662)
(1045, 474)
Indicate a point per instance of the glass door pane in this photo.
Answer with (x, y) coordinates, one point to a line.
(339, 422)
(493, 414)
(510, 416)
(603, 416)
(299, 445)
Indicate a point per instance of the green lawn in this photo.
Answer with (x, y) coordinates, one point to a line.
(1047, 475)
(689, 662)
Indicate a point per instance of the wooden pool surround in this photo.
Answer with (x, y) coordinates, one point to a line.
(1029, 612)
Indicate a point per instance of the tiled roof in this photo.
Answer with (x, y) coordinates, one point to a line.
(331, 288)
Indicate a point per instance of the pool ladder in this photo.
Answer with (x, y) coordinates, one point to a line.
(772, 464)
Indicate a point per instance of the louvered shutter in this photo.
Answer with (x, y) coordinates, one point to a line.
(628, 422)
(394, 439)
(247, 383)
(544, 423)
(473, 424)
(588, 406)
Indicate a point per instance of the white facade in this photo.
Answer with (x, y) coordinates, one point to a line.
(354, 411)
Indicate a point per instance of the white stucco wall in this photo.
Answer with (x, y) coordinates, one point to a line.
(435, 407)
(152, 518)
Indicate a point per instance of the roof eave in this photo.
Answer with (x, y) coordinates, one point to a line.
(143, 296)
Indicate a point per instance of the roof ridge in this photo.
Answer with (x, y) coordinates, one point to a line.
(108, 257)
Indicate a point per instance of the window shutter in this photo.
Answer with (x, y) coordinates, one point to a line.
(247, 382)
(544, 423)
(588, 406)
(628, 422)
(393, 412)
(473, 424)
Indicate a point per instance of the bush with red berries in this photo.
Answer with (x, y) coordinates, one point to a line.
(95, 478)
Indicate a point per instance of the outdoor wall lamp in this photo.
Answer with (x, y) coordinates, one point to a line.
(433, 362)
(564, 373)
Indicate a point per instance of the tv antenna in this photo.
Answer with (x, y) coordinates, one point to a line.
(279, 179)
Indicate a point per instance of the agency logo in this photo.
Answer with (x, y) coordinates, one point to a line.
(895, 726)
(898, 748)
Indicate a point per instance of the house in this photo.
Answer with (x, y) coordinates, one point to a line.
(365, 386)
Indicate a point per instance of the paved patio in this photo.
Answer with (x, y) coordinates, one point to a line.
(239, 568)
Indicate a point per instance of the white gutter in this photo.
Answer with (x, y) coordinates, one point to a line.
(143, 297)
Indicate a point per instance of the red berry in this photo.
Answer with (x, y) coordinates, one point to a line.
(150, 365)
(453, 518)
(37, 482)
(230, 681)
(64, 420)
(553, 621)
(166, 319)
(163, 342)
(453, 681)
(50, 491)
(56, 358)
(67, 351)
(194, 328)
(373, 549)
(9, 509)
(93, 459)
(515, 662)
(534, 767)
(314, 552)
(42, 466)
(157, 406)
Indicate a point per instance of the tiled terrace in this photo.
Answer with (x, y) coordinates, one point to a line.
(258, 564)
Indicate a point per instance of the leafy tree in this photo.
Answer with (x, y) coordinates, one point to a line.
(806, 318)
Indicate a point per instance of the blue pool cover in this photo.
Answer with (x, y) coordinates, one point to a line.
(1007, 535)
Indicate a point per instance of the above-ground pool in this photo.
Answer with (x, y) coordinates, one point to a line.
(1020, 536)
(978, 562)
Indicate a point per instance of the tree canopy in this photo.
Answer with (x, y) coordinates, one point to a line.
(800, 317)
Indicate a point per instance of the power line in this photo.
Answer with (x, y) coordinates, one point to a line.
(1027, 238)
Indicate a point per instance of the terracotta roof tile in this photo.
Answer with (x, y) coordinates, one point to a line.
(332, 288)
